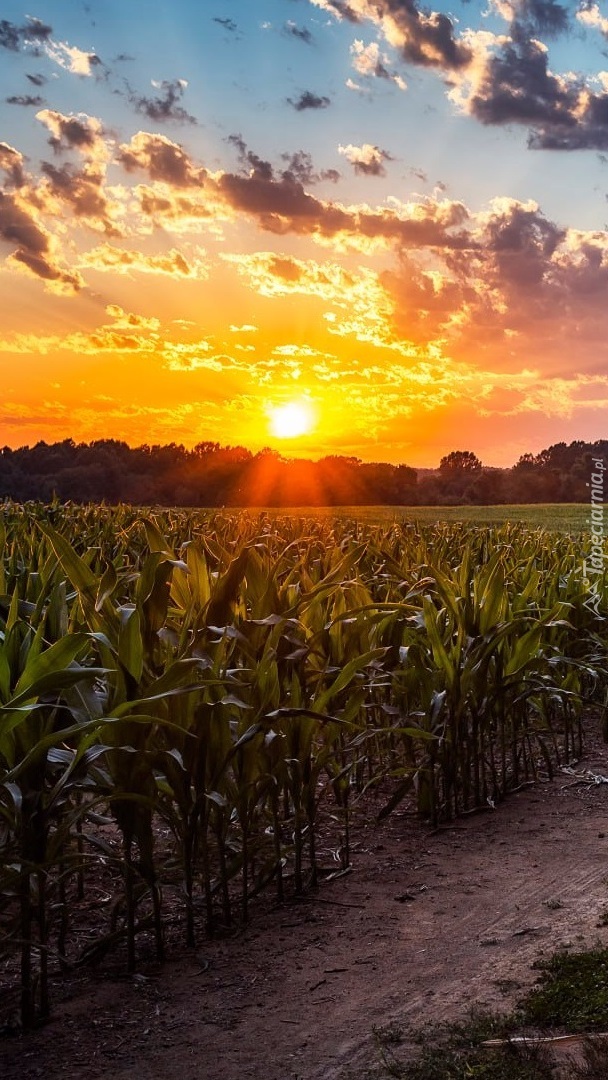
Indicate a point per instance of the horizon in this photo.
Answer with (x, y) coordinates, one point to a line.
(319, 226)
(287, 458)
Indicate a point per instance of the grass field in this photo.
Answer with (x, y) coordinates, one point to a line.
(553, 517)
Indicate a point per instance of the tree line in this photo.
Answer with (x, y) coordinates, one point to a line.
(111, 471)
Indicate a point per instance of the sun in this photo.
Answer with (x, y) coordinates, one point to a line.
(292, 419)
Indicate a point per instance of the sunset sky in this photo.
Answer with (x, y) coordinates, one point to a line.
(389, 218)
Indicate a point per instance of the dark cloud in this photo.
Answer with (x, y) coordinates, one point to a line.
(248, 159)
(291, 29)
(36, 30)
(24, 99)
(519, 242)
(37, 80)
(543, 16)
(11, 163)
(527, 287)
(423, 306)
(546, 17)
(300, 167)
(228, 24)
(82, 190)
(10, 36)
(343, 10)
(517, 87)
(31, 244)
(282, 206)
(531, 279)
(425, 38)
(70, 133)
(308, 100)
(165, 107)
(162, 159)
(382, 72)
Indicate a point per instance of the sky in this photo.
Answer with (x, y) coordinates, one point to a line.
(358, 227)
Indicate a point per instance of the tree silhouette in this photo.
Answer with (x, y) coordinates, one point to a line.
(462, 461)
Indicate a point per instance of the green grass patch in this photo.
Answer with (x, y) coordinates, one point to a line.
(571, 998)
(455, 1052)
(571, 518)
(573, 993)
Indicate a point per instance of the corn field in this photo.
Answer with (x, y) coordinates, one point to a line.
(227, 678)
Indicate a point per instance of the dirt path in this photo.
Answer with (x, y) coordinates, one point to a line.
(425, 925)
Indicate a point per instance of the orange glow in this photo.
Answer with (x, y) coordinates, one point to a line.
(292, 419)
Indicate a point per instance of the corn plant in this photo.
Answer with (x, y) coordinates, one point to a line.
(235, 676)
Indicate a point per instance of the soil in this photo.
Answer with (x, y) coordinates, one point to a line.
(426, 924)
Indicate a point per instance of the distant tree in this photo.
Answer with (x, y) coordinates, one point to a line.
(526, 463)
(215, 475)
(461, 461)
(202, 449)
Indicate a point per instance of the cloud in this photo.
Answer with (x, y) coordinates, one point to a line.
(228, 24)
(71, 58)
(11, 163)
(83, 133)
(127, 320)
(283, 206)
(340, 8)
(24, 99)
(308, 100)
(367, 160)
(301, 33)
(300, 167)
(498, 79)
(365, 307)
(280, 204)
(10, 36)
(161, 158)
(547, 17)
(126, 332)
(13, 37)
(590, 15)
(32, 245)
(83, 191)
(511, 83)
(506, 280)
(247, 158)
(183, 358)
(368, 61)
(35, 30)
(165, 107)
(422, 37)
(172, 263)
(35, 37)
